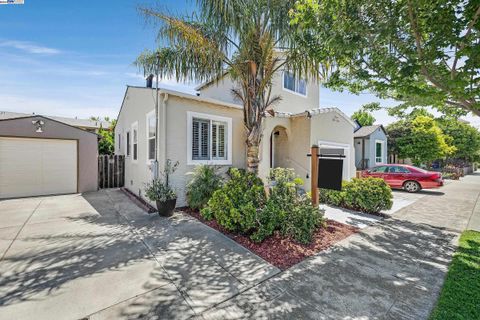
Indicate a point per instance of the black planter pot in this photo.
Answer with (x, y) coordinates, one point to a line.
(166, 208)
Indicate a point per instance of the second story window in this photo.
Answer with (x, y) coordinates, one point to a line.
(294, 84)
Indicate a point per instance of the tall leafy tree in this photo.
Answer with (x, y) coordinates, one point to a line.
(247, 40)
(423, 52)
(419, 139)
(465, 138)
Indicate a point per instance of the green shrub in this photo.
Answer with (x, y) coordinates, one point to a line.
(302, 221)
(241, 205)
(370, 195)
(205, 181)
(235, 205)
(286, 210)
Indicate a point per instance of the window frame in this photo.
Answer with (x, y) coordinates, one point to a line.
(133, 129)
(148, 138)
(229, 139)
(296, 81)
(381, 151)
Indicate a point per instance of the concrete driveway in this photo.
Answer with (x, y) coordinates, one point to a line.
(98, 256)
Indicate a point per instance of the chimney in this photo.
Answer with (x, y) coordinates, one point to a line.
(150, 81)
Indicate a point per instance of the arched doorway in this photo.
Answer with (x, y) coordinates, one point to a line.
(279, 148)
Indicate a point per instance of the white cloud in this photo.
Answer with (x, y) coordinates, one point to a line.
(29, 47)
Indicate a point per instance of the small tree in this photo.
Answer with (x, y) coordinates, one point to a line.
(420, 139)
(106, 145)
(363, 117)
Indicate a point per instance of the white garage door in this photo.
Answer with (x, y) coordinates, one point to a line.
(33, 167)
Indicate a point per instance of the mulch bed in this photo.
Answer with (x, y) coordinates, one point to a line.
(285, 252)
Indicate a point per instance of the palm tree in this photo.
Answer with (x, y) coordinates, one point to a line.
(247, 40)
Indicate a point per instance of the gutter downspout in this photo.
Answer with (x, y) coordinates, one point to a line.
(363, 153)
(163, 146)
(155, 162)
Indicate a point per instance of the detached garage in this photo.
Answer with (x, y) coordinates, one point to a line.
(41, 156)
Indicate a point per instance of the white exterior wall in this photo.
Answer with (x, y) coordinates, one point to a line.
(176, 129)
(291, 102)
(137, 103)
(140, 101)
(331, 127)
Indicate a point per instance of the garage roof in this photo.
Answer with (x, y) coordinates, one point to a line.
(84, 123)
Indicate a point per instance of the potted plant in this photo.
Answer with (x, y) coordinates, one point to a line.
(160, 191)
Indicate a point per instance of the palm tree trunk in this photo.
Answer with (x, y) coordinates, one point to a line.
(253, 157)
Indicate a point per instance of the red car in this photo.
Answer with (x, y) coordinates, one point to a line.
(409, 178)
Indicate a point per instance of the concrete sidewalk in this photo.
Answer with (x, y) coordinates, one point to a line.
(392, 270)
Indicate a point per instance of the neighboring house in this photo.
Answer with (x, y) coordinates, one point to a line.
(43, 156)
(84, 124)
(207, 128)
(371, 146)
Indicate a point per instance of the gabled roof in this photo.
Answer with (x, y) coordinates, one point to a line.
(208, 83)
(84, 123)
(317, 111)
(51, 119)
(366, 131)
(181, 95)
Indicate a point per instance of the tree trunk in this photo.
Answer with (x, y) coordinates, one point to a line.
(253, 159)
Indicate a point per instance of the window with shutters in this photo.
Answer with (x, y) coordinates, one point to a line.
(209, 139)
(151, 132)
(135, 141)
(294, 84)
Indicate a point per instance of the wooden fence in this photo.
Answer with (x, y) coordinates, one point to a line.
(111, 171)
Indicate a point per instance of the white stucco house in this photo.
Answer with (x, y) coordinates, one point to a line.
(207, 128)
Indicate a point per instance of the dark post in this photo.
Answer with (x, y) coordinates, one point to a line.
(314, 175)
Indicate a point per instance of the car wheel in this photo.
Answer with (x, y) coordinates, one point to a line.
(411, 186)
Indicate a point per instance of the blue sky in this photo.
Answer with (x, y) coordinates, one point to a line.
(74, 58)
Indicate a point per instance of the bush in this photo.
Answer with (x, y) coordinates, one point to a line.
(302, 221)
(241, 205)
(370, 195)
(235, 205)
(287, 210)
(206, 180)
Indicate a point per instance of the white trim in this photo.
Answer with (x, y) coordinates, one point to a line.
(211, 117)
(134, 127)
(296, 84)
(147, 128)
(346, 148)
(382, 151)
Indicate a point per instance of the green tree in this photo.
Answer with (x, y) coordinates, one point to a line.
(424, 53)
(465, 138)
(363, 117)
(106, 144)
(419, 139)
(249, 41)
